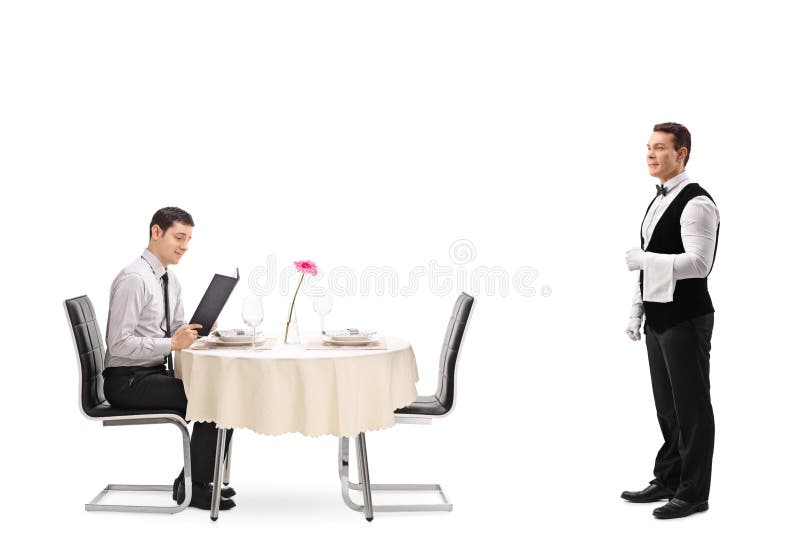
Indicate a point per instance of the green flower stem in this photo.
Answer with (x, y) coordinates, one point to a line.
(291, 309)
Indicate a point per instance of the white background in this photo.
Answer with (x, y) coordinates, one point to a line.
(371, 133)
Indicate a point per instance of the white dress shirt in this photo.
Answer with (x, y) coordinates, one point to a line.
(699, 223)
(136, 329)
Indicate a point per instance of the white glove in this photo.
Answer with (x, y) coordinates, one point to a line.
(633, 329)
(635, 259)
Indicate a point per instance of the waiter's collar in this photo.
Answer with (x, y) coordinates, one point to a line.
(675, 181)
(154, 263)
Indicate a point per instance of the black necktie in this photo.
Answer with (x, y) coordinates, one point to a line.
(168, 333)
(661, 190)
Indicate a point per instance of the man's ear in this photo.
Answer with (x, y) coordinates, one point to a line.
(155, 232)
(682, 151)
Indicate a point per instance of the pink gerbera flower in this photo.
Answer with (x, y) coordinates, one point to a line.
(306, 266)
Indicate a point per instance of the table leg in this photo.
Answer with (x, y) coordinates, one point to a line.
(226, 476)
(215, 495)
(363, 475)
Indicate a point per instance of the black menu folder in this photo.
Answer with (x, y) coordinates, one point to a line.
(213, 301)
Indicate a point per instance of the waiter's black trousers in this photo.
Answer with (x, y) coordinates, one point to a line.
(152, 387)
(679, 368)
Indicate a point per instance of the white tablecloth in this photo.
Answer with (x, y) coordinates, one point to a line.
(290, 389)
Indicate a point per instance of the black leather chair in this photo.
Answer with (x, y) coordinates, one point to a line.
(89, 348)
(422, 411)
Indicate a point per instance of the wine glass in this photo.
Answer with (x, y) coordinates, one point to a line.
(323, 305)
(253, 314)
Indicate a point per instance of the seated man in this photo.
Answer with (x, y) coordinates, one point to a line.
(145, 324)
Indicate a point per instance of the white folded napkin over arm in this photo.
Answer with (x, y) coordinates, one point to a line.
(659, 282)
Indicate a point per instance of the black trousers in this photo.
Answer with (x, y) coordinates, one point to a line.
(152, 387)
(679, 370)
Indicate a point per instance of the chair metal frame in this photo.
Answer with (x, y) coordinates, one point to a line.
(128, 420)
(366, 487)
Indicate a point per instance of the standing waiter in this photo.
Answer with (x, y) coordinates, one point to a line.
(678, 245)
(145, 324)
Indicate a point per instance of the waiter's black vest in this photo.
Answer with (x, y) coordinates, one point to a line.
(691, 298)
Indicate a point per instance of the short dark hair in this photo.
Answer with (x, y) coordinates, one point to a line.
(681, 134)
(166, 216)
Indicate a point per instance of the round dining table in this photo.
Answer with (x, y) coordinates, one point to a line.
(312, 388)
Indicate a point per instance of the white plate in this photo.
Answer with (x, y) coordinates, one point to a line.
(352, 342)
(349, 339)
(230, 336)
(223, 343)
(236, 339)
(342, 335)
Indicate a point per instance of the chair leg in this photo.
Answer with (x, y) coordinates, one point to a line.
(94, 505)
(344, 474)
(347, 485)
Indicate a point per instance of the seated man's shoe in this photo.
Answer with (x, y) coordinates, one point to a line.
(175, 486)
(679, 508)
(651, 493)
(201, 496)
(226, 491)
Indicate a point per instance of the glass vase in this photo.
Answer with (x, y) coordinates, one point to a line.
(292, 332)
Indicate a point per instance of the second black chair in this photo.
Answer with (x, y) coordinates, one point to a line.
(421, 411)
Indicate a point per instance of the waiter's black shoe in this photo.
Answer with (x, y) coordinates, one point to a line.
(201, 496)
(679, 508)
(651, 493)
(226, 491)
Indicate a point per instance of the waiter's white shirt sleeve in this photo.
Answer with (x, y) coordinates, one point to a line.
(637, 308)
(699, 222)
